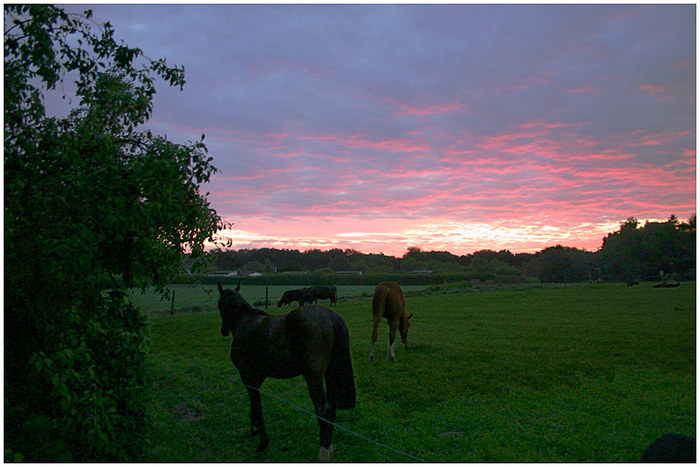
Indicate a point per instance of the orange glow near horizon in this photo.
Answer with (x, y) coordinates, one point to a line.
(400, 234)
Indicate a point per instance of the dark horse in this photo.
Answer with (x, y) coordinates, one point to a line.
(312, 341)
(388, 302)
(290, 296)
(313, 294)
(330, 292)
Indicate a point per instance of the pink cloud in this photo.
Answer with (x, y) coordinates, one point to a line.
(503, 141)
(609, 157)
(639, 138)
(358, 142)
(291, 154)
(549, 125)
(582, 90)
(652, 90)
(428, 109)
(402, 173)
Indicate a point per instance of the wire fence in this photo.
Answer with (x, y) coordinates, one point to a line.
(199, 443)
(339, 427)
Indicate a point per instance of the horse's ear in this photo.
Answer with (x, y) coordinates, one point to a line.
(221, 289)
(238, 287)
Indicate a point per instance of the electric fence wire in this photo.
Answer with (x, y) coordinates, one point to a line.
(339, 427)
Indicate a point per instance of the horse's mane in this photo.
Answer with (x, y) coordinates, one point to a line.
(250, 310)
(255, 311)
(241, 302)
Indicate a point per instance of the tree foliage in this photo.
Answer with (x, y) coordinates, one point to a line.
(562, 264)
(92, 202)
(634, 252)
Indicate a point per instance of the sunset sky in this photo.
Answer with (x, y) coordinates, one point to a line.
(459, 128)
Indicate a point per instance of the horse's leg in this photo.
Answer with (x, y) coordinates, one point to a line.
(377, 320)
(393, 326)
(324, 412)
(257, 423)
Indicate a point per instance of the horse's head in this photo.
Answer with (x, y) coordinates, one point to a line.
(404, 324)
(231, 304)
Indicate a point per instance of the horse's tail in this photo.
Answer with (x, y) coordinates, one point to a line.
(340, 381)
(379, 301)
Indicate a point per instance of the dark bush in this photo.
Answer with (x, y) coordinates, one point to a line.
(92, 404)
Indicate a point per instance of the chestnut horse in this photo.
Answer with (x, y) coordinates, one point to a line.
(312, 341)
(389, 303)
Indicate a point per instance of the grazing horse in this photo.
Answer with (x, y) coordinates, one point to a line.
(290, 296)
(312, 294)
(666, 285)
(311, 341)
(330, 292)
(308, 296)
(389, 303)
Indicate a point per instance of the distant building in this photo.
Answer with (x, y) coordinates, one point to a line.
(223, 274)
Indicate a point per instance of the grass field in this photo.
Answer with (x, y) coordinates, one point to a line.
(591, 373)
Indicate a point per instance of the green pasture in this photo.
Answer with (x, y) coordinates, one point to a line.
(591, 373)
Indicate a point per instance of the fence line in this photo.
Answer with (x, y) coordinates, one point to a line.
(340, 427)
(282, 399)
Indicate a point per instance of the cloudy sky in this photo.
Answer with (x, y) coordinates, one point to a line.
(459, 128)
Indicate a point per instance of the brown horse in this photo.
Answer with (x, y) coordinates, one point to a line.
(312, 341)
(389, 303)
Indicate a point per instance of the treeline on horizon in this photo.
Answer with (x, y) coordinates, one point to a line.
(655, 251)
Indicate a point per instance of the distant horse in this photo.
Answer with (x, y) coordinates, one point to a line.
(330, 292)
(313, 294)
(311, 341)
(389, 303)
(666, 285)
(290, 296)
(308, 296)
